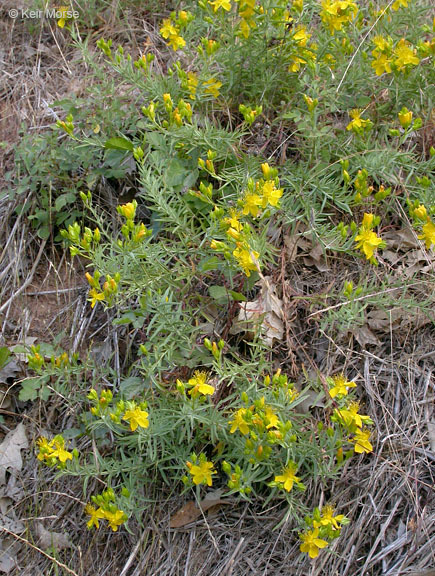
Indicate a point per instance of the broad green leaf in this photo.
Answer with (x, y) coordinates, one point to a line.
(119, 143)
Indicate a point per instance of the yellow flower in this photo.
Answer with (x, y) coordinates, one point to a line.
(224, 4)
(62, 454)
(368, 221)
(350, 417)
(358, 124)
(115, 519)
(428, 234)
(420, 212)
(335, 14)
(245, 260)
(405, 118)
(239, 422)
(251, 204)
(203, 473)
(95, 296)
(381, 64)
(361, 441)
(301, 36)
(405, 56)
(199, 384)
(176, 42)
(311, 543)
(192, 84)
(328, 518)
(64, 11)
(340, 385)
(271, 417)
(168, 29)
(95, 516)
(234, 222)
(128, 210)
(212, 86)
(398, 4)
(288, 476)
(271, 194)
(367, 241)
(136, 417)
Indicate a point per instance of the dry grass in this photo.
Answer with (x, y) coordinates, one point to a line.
(388, 496)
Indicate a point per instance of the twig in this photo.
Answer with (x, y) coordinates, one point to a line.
(28, 279)
(361, 43)
(362, 298)
(60, 564)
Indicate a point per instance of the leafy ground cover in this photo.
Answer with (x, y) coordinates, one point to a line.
(217, 289)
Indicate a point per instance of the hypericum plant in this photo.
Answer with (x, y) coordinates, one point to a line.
(196, 410)
(253, 441)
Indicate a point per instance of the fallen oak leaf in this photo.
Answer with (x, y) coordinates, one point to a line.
(266, 312)
(10, 451)
(54, 540)
(191, 512)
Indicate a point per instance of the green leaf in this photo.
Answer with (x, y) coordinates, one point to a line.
(132, 386)
(218, 292)
(211, 263)
(238, 296)
(44, 232)
(4, 356)
(29, 389)
(63, 200)
(119, 143)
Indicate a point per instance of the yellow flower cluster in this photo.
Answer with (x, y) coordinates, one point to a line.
(132, 412)
(347, 415)
(366, 240)
(358, 125)
(105, 509)
(250, 114)
(300, 52)
(181, 114)
(325, 526)
(53, 452)
(386, 56)
(353, 422)
(421, 218)
(261, 427)
(256, 198)
(201, 470)
(337, 13)
(197, 385)
(171, 27)
(246, 10)
(280, 384)
(287, 479)
(107, 294)
(195, 85)
(36, 361)
(80, 242)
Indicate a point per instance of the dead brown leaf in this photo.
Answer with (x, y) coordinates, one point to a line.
(56, 540)
(403, 239)
(365, 336)
(191, 512)
(292, 243)
(10, 451)
(397, 319)
(316, 258)
(266, 312)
